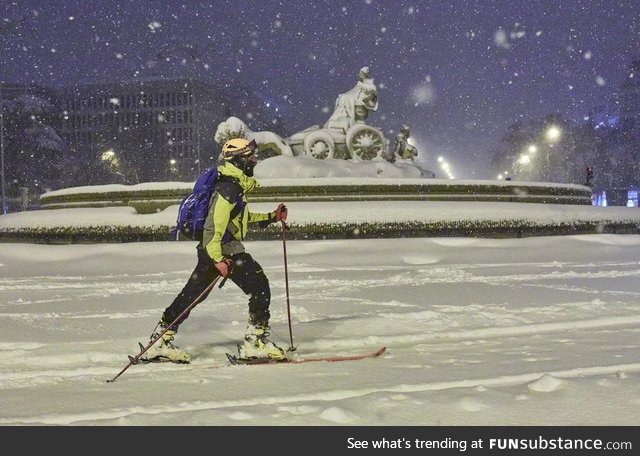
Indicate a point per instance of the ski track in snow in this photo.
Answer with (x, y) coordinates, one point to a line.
(538, 381)
(330, 313)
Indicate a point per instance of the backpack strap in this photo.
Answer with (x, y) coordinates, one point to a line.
(230, 190)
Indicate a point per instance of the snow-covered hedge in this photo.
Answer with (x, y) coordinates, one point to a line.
(324, 209)
(153, 197)
(500, 228)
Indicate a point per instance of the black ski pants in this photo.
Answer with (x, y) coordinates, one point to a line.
(246, 273)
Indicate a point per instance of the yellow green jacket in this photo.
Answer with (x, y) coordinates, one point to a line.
(231, 189)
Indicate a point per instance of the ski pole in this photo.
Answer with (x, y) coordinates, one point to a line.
(286, 282)
(135, 359)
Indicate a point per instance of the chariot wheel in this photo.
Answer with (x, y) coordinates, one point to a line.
(365, 142)
(319, 144)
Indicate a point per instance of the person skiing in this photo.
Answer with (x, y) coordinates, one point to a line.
(221, 253)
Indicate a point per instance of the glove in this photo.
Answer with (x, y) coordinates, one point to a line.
(281, 213)
(224, 267)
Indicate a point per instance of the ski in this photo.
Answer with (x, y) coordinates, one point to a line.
(235, 360)
(160, 359)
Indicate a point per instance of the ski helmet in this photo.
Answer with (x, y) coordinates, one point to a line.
(241, 153)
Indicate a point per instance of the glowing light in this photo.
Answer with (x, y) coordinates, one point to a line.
(445, 167)
(524, 159)
(553, 133)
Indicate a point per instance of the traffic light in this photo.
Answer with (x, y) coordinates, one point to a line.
(589, 174)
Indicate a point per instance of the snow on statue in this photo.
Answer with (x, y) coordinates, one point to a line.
(345, 135)
(354, 106)
(269, 143)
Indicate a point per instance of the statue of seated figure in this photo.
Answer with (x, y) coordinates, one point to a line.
(353, 106)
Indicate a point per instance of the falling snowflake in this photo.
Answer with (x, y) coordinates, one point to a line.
(154, 25)
(600, 81)
(424, 93)
(500, 38)
(587, 55)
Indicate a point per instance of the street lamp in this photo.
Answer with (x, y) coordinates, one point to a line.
(552, 135)
(445, 167)
(524, 159)
(173, 169)
(4, 207)
(110, 159)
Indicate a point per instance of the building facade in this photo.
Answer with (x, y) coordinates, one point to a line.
(153, 129)
(144, 130)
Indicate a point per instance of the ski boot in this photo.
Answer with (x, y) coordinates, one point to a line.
(164, 350)
(257, 345)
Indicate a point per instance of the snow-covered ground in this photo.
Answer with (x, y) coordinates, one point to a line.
(537, 332)
(319, 212)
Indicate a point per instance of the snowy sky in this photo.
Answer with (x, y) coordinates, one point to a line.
(457, 72)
